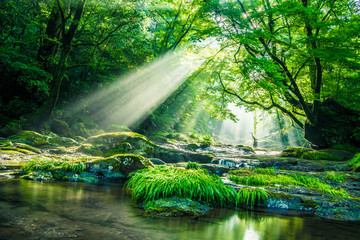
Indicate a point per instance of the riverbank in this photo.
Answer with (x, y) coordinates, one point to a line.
(326, 188)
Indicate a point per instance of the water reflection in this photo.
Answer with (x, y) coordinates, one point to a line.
(35, 210)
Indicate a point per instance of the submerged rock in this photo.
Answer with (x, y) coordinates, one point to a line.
(171, 207)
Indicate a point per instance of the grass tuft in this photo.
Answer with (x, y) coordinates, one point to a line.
(268, 177)
(335, 176)
(355, 163)
(251, 196)
(192, 165)
(168, 181)
(50, 164)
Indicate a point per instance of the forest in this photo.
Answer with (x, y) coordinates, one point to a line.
(190, 105)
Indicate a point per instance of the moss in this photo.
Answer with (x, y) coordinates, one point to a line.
(88, 149)
(245, 149)
(175, 206)
(10, 152)
(24, 151)
(62, 141)
(79, 138)
(118, 137)
(309, 204)
(123, 163)
(30, 137)
(118, 128)
(294, 152)
(316, 155)
(281, 195)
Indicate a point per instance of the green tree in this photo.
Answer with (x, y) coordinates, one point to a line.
(281, 54)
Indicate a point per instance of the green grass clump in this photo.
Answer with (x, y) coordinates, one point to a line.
(192, 165)
(50, 164)
(168, 181)
(251, 196)
(355, 163)
(269, 171)
(263, 180)
(335, 176)
(269, 178)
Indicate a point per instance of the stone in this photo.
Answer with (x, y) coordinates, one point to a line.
(59, 127)
(121, 163)
(174, 206)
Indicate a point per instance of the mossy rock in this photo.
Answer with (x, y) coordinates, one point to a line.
(9, 152)
(175, 207)
(122, 142)
(117, 128)
(122, 163)
(27, 147)
(20, 150)
(30, 137)
(62, 141)
(245, 149)
(175, 156)
(294, 152)
(192, 146)
(317, 155)
(79, 138)
(59, 127)
(88, 148)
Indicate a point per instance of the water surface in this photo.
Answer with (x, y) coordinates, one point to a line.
(64, 210)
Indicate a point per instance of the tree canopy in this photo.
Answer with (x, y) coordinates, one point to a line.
(288, 55)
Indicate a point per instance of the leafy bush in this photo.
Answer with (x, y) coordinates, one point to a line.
(251, 196)
(168, 181)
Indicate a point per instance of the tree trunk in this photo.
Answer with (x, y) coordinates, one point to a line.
(59, 71)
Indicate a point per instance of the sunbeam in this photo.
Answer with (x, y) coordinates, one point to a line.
(131, 98)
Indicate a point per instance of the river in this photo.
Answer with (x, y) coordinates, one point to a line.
(64, 210)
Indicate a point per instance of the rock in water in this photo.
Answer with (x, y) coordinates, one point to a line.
(175, 207)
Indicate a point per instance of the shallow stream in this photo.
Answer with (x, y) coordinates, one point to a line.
(64, 210)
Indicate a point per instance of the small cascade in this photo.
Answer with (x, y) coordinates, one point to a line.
(227, 162)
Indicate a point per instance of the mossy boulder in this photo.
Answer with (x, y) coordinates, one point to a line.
(62, 141)
(294, 152)
(175, 156)
(30, 137)
(120, 142)
(192, 146)
(39, 140)
(59, 127)
(117, 128)
(175, 207)
(245, 149)
(122, 163)
(310, 154)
